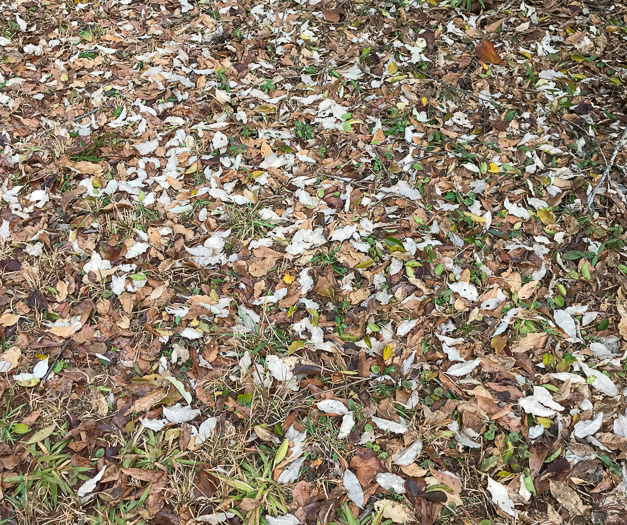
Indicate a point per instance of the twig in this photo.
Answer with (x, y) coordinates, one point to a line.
(607, 169)
(89, 113)
(56, 359)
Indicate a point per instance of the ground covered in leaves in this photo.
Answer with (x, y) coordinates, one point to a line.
(321, 262)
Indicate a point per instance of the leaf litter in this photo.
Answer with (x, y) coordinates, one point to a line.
(288, 262)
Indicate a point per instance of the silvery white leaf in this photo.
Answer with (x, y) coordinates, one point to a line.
(565, 321)
(405, 327)
(348, 422)
(501, 498)
(462, 369)
(206, 429)
(465, 290)
(536, 431)
(156, 425)
(590, 427)
(601, 382)
(392, 426)
(279, 370)
(343, 234)
(332, 406)
(353, 488)
(190, 333)
(40, 369)
(180, 413)
(137, 249)
(288, 519)
(391, 482)
(408, 455)
(515, 210)
(90, 484)
(291, 473)
(620, 425)
(147, 147)
(220, 140)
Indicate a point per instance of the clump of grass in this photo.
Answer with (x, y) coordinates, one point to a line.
(246, 221)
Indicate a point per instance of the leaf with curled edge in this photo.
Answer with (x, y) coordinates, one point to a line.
(486, 53)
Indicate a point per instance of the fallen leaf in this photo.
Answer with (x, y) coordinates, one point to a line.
(486, 53)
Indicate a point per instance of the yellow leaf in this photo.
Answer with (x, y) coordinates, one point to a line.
(29, 383)
(577, 58)
(192, 169)
(474, 218)
(387, 352)
(64, 77)
(392, 68)
(545, 422)
(526, 54)
(288, 278)
(424, 101)
(546, 216)
(494, 168)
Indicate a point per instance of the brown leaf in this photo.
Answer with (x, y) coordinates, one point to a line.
(9, 319)
(205, 484)
(332, 15)
(10, 359)
(145, 403)
(37, 301)
(366, 464)
(530, 342)
(612, 441)
(301, 493)
(486, 53)
(567, 497)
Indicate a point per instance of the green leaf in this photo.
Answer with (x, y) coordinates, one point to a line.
(622, 268)
(439, 269)
(559, 301)
(373, 327)
(21, 428)
(244, 399)
(529, 484)
(553, 456)
(40, 435)
(585, 271)
(603, 325)
(346, 127)
(364, 264)
(314, 316)
(573, 255)
(282, 452)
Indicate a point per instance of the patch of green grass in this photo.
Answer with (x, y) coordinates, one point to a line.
(254, 482)
(327, 258)
(246, 221)
(10, 418)
(51, 477)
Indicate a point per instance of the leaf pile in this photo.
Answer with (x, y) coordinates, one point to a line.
(318, 262)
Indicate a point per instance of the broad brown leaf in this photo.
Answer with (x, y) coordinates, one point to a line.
(486, 53)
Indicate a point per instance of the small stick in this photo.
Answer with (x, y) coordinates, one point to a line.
(89, 113)
(56, 359)
(607, 169)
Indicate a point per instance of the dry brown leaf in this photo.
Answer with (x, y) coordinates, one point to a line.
(332, 15)
(10, 359)
(9, 319)
(528, 290)
(486, 53)
(530, 342)
(567, 497)
(622, 327)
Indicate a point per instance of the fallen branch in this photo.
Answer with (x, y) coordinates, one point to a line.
(607, 169)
